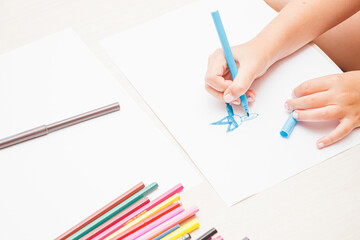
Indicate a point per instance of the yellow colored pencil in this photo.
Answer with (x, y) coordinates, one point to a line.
(164, 204)
(187, 228)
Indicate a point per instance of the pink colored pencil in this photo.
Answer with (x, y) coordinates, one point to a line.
(178, 188)
(169, 224)
(217, 238)
(154, 224)
(116, 219)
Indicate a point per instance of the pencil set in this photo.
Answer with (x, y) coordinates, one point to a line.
(133, 216)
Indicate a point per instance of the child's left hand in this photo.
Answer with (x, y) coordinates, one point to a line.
(328, 98)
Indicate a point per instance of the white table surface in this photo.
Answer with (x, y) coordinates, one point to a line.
(320, 203)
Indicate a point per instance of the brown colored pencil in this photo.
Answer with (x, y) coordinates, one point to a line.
(101, 211)
(46, 129)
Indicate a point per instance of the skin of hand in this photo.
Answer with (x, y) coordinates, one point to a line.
(298, 23)
(252, 63)
(281, 37)
(333, 97)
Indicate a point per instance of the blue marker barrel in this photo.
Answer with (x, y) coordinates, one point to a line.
(288, 126)
(228, 54)
(167, 232)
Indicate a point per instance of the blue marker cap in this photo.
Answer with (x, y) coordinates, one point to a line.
(288, 126)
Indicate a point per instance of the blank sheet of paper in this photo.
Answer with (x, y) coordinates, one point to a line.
(166, 60)
(51, 183)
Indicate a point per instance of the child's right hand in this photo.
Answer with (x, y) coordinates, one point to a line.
(252, 61)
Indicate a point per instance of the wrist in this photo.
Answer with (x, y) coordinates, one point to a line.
(267, 49)
(265, 52)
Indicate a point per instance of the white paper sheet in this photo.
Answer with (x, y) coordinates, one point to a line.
(49, 184)
(166, 60)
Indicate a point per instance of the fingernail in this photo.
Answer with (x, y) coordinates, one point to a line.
(229, 98)
(321, 145)
(295, 115)
(236, 103)
(293, 94)
(286, 105)
(250, 99)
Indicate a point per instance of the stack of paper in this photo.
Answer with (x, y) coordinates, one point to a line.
(166, 60)
(51, 183)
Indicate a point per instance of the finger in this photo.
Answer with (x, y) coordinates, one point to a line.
(218, 83)
(343, 129)
(217, 65)
(314, 85)
(239, 86)
(218, 95)
(217, 68)
(251, 95)
(227, 75)
(315, 100)
(326, 113)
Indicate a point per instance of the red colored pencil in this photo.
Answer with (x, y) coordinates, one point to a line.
(147, 221)
(101, 211)
(116, 219)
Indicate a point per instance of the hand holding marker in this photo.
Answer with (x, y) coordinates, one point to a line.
(291, 122)
(228, 54)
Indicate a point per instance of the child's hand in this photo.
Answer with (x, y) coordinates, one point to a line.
(252, 62)
(328, 98)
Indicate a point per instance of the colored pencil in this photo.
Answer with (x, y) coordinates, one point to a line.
(154, 224)
(101, 211)
(116, 219)
(164, 204)
(178, 188)
(187, 228)
(149, 220)
(169, 224)
(208, 234)
(49, 128)
(113, 212)
(166, 232)
(220, 238)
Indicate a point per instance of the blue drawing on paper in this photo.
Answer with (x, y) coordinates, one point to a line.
(230, 119)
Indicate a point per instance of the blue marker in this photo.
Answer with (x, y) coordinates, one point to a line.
(228, 54)
(167, 232)
(288, 126)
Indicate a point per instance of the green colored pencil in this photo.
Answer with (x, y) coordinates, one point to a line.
(114, 211)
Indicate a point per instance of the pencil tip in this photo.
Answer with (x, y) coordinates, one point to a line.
(247, 114)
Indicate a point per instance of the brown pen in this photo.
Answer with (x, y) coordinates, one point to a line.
(46, 129)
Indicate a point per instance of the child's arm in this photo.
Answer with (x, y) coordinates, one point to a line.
(301, 21)
(298, 23)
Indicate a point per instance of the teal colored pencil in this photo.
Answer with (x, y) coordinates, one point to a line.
(114, 211)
